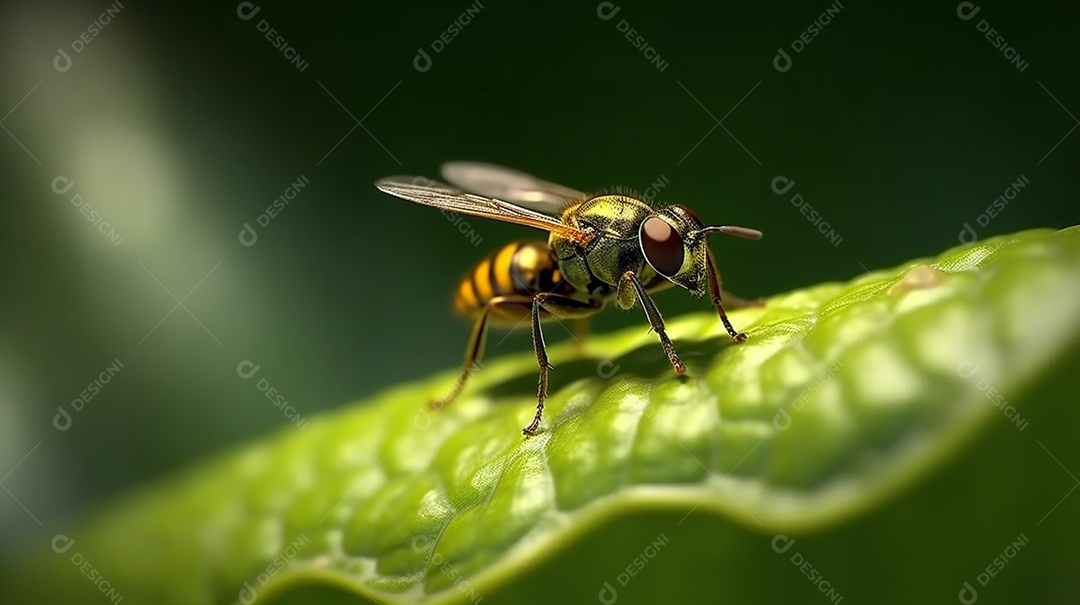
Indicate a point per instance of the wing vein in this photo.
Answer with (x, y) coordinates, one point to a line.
(429, 193)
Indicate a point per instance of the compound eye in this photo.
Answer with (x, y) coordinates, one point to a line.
(662, 246)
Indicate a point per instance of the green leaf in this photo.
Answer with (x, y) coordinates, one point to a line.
(845, 399)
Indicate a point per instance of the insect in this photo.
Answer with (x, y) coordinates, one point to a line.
(600, 248)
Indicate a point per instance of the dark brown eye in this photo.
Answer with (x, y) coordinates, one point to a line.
(662, 246)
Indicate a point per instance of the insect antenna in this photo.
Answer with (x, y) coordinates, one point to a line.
(743, 232)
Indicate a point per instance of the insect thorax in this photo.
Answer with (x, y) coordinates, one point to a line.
(597, 267)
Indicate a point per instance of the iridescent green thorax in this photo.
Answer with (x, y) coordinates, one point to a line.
(598, 266)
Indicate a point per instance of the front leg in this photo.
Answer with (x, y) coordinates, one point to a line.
(655, 319)
(715, 292)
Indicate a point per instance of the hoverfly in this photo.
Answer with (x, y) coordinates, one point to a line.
(600, 248)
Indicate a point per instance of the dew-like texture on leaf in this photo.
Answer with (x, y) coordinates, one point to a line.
(841, 396)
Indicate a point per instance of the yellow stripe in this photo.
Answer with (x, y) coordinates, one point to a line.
(466, 300)
(503, 278)
(481, 278)
(528, 262)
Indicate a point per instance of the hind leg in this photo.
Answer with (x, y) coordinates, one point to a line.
(474, 351)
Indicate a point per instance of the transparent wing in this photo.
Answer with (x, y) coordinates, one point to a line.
(438, 195)
(510, 185)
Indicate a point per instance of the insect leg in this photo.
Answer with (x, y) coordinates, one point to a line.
(542, 359)
(558, 306)
(655, 320)
(715, 291)
(474, 352)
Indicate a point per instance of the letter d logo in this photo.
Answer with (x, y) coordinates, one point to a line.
(966, 369)
(246, 369)
(64, 543)
(781, 185)
(782, 548)
(425, 64)
(782, 62)
(968, 595)
(62, 62)
(967, 235)
(605, 12)
(62, 420)
(247, 236)
(965, 12)
(245, 12)
(608, 594)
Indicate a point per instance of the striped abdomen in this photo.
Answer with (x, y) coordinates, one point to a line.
(519, 269)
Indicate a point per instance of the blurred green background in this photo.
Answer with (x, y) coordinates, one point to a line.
(178, 125)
